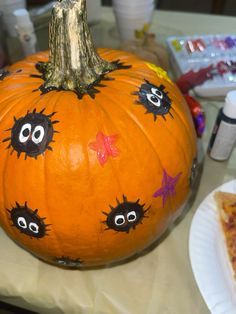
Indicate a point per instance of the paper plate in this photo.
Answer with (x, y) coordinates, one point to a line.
(208, 256)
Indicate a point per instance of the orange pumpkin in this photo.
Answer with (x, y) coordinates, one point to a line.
(97, 155)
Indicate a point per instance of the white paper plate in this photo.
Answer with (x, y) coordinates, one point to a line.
(208, 256)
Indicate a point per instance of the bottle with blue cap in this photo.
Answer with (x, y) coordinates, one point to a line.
(223, 137)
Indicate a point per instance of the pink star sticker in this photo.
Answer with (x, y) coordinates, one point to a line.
(104, 146)
(168, 187)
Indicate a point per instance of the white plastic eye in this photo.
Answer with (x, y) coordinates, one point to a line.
(22, 222)
(38, 134)
(34, 227)
(25, 133)
(131, 216)
(119, 220)
(154, 100)
(157, 92)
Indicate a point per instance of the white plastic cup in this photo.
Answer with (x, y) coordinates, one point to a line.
(132, 8)
(94, 10)
(139, 14)
(136, 4)
(8, 7)
(131, 16)
(130, 2)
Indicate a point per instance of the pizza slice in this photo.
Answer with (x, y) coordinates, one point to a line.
(226, 203)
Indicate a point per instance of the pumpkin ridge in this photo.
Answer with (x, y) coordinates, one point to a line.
(190, 139)
(134, 81)
(162, 122)
(11, 97)
(147, 137)
(177, 113)
(134, 75)
(57, 240)
(85, 147)
(177, 140)
(110, 159)
(138, 127)
(165, 125)
(122, 191)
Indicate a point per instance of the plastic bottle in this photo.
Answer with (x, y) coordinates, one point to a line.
(223, 136)
(25, 31)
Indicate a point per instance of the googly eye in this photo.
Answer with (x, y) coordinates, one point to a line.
(157, 92)
(25, 133)
(131, 216)
(34, 227)
(119, 220)
(22, 222)
(154, 100)
(38, 134)
(61, 262)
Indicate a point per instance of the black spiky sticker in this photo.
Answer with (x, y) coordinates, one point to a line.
(125, 215)
(28, 221)
(3, 74)
(66, 261)
(155, 99)
(32, 134)
(91, 90)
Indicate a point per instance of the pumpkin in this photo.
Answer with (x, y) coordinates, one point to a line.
(98, 149)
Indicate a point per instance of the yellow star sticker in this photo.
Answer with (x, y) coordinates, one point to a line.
(159, 71)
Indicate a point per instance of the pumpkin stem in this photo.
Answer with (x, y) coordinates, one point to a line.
(73, 63)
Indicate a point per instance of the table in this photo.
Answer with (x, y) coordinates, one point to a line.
(158, 282)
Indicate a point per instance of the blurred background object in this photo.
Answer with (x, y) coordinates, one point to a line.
(132, 15)
(94, 11)
(225, 7)
(7, 7)
(39, 11)
(3, 44)
(148, 48)
(93, 7)
(25, 31)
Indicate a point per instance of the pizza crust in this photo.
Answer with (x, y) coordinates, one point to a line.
(226, 204)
